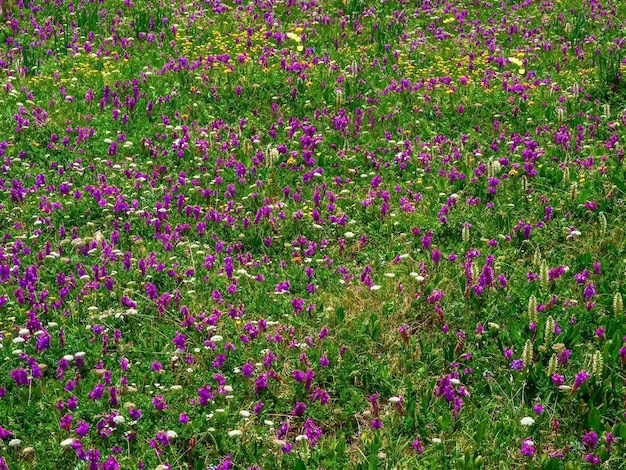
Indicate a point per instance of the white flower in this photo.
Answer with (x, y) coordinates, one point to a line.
(375, 287)
(436, 440)
(527, 421)
(13, 443)
(395, 400)
(235, 433)
(23, 332)
(171, 434)
(301, 437)
(349, 234)
(67, 442)
(268, 422)
(244, 413)
(119, 419)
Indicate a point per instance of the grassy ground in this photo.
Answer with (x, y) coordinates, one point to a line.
(307, 234)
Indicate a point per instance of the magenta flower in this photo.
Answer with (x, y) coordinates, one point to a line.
(417, 446)
(581, 378)
(159, 403)
(528, 447)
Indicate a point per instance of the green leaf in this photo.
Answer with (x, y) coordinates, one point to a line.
(300, 465)
(481, 432)
(340, 313)
(594, 419)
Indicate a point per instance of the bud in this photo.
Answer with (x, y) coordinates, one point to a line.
(532, 309)
(602, 218)
(618, 304)
(465, 233)
(468, 159)
(339, 97)
(537, 257)
(475, 273)
(573, 191)
(597, 366)
(566, 179)
(548, 334)
(524, 184)
(543, 272)
(527, 354)
(493, 168)
(552, 364)
(272, 156)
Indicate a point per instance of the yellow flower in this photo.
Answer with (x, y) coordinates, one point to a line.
(295, 37)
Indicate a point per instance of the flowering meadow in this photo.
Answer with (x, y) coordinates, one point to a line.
(304, 234)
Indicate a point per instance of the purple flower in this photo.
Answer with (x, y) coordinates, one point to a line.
(417, 446)
(528, 447)
(82, 429)
(20, 376)
(5, 433)
(538, 408)
(324, 362)
(581, 378)
(589, 291)
(283, 430)
(377, 423)
(299, 409)
(590, 440)
(159, 403)
(311, 431)
(563, 357)
(135, 413)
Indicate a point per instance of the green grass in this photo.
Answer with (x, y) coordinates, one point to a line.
(306, 235)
